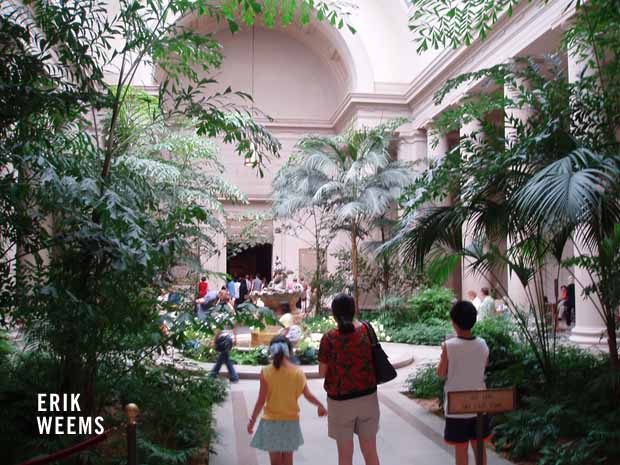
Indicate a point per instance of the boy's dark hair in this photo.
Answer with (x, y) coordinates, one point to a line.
(485, 291)
(204, 278)
(464, 314)
(343, 309)
(277, 359)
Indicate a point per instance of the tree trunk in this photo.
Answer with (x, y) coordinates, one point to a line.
(356, 290)
(612, 343)
(318, 279)
(386, 267)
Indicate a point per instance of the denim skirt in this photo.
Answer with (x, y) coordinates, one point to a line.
(278, 436)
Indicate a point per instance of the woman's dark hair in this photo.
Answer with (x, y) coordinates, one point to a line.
(285, 307)
(343, 309)
(279, 356)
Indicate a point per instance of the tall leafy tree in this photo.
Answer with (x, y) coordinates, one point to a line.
(567, 153)
(295, 202)
(89, 225)
(552, 182)
(359, 180)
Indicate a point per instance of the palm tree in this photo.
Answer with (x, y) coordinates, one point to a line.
(358, 178)
(556, 182)
(293, 198)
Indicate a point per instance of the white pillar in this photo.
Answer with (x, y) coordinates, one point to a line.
(437, 146)
(471, 131)
(216, 263)
(412, 148)
(514, 114)
(589, 325)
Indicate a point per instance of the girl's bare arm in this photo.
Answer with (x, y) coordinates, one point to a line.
(260, 403)
(322, 411)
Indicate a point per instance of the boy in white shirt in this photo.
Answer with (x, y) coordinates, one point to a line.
(463, 362)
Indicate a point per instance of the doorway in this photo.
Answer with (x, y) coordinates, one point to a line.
(255, 259)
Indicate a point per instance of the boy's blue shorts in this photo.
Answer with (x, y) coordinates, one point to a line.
(460, 430)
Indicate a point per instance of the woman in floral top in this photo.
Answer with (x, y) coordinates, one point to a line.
(345, 360)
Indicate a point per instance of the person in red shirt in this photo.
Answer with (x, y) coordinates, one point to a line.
(345, 360)
(203, 287)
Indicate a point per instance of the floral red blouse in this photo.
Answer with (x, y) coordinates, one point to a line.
(350, 370)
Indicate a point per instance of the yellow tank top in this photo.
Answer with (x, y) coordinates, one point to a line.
(284, 386)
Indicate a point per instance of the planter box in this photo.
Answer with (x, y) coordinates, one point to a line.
(265, 336)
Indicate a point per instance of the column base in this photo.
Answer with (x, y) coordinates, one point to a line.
(589, 336)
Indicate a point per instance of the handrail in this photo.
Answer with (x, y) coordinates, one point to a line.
(69, 451)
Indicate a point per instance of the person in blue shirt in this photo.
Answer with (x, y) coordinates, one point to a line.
(230, 285)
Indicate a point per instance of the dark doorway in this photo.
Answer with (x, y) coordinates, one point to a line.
(256, 259)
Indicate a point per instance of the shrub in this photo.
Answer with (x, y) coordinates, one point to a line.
(431, 333)
(319, 324)
(498, 332)
(425, 384)
(432, 302)
(307, 353)
(176, 411)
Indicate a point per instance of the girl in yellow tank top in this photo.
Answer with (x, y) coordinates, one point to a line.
(281, 385)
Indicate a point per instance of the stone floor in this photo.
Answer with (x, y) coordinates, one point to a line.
(409, 434)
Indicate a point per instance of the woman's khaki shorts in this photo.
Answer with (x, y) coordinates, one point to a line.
(359, 416)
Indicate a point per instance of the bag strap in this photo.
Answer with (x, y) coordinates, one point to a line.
(371, 333)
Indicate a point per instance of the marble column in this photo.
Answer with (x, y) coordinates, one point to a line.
(470, 132)
(515, 115)
(437, 145)
(412, 148)
(589, 326)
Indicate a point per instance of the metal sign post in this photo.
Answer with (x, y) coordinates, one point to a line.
(481, 402)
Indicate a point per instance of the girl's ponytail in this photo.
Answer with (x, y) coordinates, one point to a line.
(280, 347)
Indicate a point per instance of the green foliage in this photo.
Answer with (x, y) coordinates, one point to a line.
(21, 378)
(6, 347)
(499, 333)
(96, 205)
(319, 324)
(392, 313)
(533, 193)
(307, 353)
(176, 419)
(554, 179)
(440, 24)
(565, 422)
(432, 302)
(432, 332)
(425, 384)
(354, 175)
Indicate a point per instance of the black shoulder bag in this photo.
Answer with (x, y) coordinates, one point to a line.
(383, 368)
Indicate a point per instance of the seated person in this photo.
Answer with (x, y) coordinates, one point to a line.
(203, 304)
(291, 331)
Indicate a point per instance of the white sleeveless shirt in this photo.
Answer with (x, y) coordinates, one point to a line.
(467, 360)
